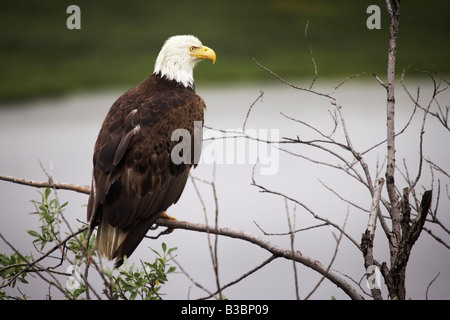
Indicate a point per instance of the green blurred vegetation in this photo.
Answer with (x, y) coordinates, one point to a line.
(119, 41)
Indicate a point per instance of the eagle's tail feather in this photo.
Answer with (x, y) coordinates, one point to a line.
(115, 243)
(109, 239)
(132, 239)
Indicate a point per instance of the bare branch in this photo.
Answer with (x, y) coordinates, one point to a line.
(394, 13)
(438, 239)
(289, 233)
(346, 80)
(315, 215)
(245, 275)
(213, 252)
(312, 56)
(342, 198)
(369, 236)
(292, 238)
(429, 285)
(250, 109)
(198, 285)
(379, 80)
(274, 249)
(292, 85)
(338, 241)
(48, 184)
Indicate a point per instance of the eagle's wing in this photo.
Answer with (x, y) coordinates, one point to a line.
(134, 178)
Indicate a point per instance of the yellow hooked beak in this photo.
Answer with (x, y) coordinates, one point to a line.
(203, 53)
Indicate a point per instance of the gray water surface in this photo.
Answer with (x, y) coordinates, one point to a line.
(60, 134)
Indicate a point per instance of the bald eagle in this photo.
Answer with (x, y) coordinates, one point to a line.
(135, 178)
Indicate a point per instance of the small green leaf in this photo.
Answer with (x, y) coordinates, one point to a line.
(125, 263)
(47, 192)
(33, 233)
(107, 272)
(172, 249)
(171, 269)
(128, 287)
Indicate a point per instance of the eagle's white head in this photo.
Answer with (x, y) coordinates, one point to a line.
(178, 57)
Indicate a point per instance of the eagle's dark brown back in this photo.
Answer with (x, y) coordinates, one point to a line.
(134, 177)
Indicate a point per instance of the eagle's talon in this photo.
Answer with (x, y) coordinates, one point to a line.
(154, 226)
(167, 231)
(164, 215)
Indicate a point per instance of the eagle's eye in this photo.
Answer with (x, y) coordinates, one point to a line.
(192, 49)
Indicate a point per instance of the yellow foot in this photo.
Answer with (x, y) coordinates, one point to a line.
(164, 215)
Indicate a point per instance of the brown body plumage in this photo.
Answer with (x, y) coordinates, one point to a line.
(134, 178)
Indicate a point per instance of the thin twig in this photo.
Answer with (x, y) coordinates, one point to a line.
(213, 252)
(311, 54)
(290, 232)
(338, 242)
(429, 285)
(245, 275)
(260, 97)
(292, 238)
